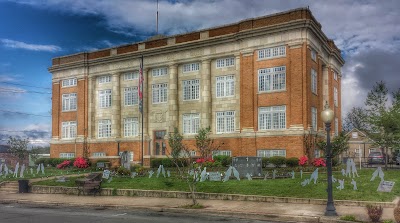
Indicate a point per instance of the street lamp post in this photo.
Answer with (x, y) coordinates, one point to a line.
(327, 116)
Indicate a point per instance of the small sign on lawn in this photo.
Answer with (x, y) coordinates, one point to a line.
(385, 186)
(214, 176)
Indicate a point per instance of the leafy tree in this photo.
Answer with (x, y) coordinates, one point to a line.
(356, 118)
(18, 147)
(204, 144)
(339, 144)
(310, 141)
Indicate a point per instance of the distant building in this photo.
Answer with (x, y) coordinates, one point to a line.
(260, 84)
(8, 158)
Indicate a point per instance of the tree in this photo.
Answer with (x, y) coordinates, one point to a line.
(356, 118)
(339, 144)
(204, 144)
(18, 147)
(310, 141)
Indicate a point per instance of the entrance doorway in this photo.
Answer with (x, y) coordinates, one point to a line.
(160, 145)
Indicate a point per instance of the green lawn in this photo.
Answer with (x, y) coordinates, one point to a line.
(277, 187)
(48, 172)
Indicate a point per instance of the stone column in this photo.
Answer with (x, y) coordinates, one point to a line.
(146, 103)
(116, 107)
(205, 94)
(325, 84)
(173, 98)
(91, 107)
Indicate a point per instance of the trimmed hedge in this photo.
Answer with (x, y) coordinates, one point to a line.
(278, 161)
(224, 161)
(166, 162)
(52, 161)
(292, 162)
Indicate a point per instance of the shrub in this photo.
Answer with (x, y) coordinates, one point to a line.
(278, 161)
(319, 162)
(223, 160)
(303, 161)
(80, 162)
(374, 212)
(292, 162)
(64, 164)
(123, 171)
(167, 162)
(265, 161)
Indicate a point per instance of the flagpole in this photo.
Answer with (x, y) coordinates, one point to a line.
(142, 105)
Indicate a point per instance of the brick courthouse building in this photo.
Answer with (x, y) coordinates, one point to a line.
(260, 84)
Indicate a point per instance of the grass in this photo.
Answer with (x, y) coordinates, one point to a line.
(367, 190)
(48, 172)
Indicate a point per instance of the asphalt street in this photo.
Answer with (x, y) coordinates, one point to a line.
(16, 213)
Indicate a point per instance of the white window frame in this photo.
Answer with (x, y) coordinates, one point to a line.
(68, 130)
(354, 135)
(191, 123)
(335, 96)
(225, 86)
(271, 152)
(222, 153)
(104, 128)
(335, 75)
(336, 126)
(105, 98)
(314, 115)
(317, 153)
(272, 79)
(69, 82)
(225, 62)
(131, 127)
(160, 93)
(190, 67)
(191, 89)
(314, 55)
(272, 52)
(131, 75)
(99, 154)
(225, 122)
(69, 102)
(158, 72)
(104, 79)
(357, 152)
(131, 96)
(314, 81)
(272, 118)
(67, 155)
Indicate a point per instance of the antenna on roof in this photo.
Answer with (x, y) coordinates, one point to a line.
(157, 19)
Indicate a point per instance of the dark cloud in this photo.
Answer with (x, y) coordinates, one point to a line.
(376, 65)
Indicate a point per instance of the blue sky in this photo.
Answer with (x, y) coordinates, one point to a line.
(33, 32)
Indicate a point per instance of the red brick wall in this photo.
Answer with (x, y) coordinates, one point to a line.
(127, 49)
(246, 92)
(187, 37)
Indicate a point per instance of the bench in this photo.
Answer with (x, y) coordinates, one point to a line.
(89, 184)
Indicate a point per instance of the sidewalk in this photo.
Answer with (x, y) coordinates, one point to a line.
(243, 209)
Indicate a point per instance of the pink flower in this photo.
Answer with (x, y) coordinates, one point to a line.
(319, 162)
(64, 164)
(303, 160)
(81, 163)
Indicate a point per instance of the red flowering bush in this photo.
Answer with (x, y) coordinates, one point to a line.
(64, 164)
(303, 161)
(203, 160)
(81, 163)
(319, 162)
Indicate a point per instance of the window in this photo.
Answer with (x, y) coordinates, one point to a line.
(105, 98)
(272, 52)
(69, 102)
(69, 82)
(272, 118)
(272, 79)
(335, 96)
(271, 152)
(191, 90)
(104, 128)
(336, 127)
(67, 155)
(225, 86)
(314, 118)
(131, 96)
(335, 75)
(313, 55)
(314, 81)
(69, 130)
(131, 76)
(225, 62)
(225, 122)
(131, 127)
(190, 67)
(357, 153)
(191, 123)
(104, 79)
(317, 153)
(160, 92)
(156, 72)
(354, 135)
(192, 153)
(222, 153)
(99, 154)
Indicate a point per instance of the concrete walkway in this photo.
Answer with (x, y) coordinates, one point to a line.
(288, 212)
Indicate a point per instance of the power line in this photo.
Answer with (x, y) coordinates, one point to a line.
(23, 113)
(21, 91)
(5, 82)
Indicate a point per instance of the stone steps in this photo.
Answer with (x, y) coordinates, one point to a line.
(10, 187)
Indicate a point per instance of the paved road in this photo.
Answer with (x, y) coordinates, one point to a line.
(15, 213)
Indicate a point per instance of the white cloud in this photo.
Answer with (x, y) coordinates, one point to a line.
(27, 46)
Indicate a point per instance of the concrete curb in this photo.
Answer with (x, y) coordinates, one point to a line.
(205, 196)
(243, 215)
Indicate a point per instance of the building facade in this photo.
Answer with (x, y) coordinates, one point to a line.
(260, 84)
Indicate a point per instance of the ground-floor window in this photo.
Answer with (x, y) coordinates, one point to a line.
(271, 152)
(222, 153)
(67, 155)
(99, 154)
